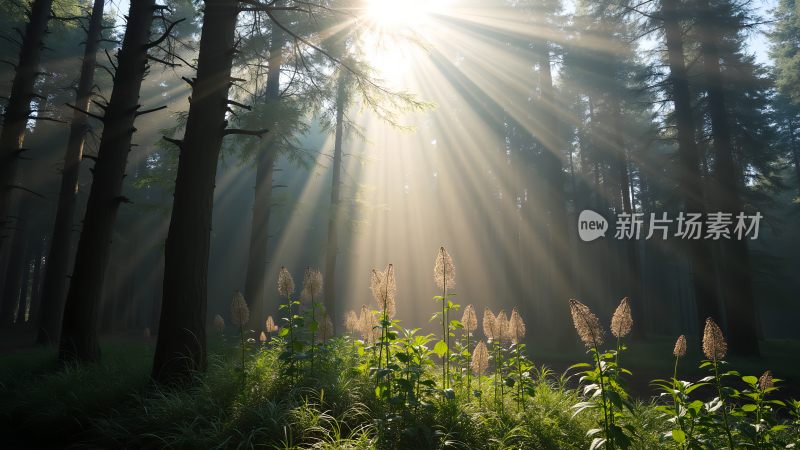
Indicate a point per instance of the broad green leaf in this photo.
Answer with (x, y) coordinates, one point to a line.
(440, 348)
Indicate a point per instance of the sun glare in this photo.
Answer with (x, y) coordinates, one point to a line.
(396, 29)
(394, 15)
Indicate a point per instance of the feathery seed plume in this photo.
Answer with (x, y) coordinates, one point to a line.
(516, 326)
(262, 337)
(680, 347)
(444, 272)
(501, 327)
(622, 320)
(488, 324)
(312, 283)
(351, 322)
(285, 283)
(219, 323)
(367, 325)
(480, 359)
(765, 381)
(714, 345)
(384, 289)
(240, 313)
(469, 320)
(586, 324)
(270, 325)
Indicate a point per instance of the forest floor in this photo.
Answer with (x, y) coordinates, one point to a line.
(114, 405)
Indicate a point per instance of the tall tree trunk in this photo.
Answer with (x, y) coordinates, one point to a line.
(262, 203)
(561, 280)
(55, 278)
(18, 109)
(181, 347)
(334, 217)
(689, 179)
(632, 272)
(13, 282)
(36, 279)
(79, 328)
(735, 276)
(794, 143)
(24, 284)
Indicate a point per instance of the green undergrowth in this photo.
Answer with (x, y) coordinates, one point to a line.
(332, 406)
(113, 405)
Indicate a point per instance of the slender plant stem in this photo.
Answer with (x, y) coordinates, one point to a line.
(519, 369)
(606, 408)
(724, 411)
(469, 369)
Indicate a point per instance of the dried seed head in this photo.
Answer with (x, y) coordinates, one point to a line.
(384, 290)
(312, 283)
(219, 323)
(262, 337)
(240, 313)
(270, 325)
(146, 333)
(351, 322)
(622, 320)
(516, 326)
(469, 320)
(444, 272)
(765, 381)
(285, 283)
(488, 324)
(480, 359)
(680, 347)
(501, 327)
(586, 324)
(325, 330)
(368, 323)
(714, 345)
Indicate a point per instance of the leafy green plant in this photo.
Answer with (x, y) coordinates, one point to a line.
(294, 322)
(715, 348)
(240, 314)
(602, 384)
(444, 275)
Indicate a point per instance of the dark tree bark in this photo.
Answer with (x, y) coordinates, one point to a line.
(734, 264)
(36, 280)
(79, 328)
(689, 179)
(24, 284)
(262, 203)
(181, 346)
(13, 282)
(334, 217)
(18, 108)
(55, 278)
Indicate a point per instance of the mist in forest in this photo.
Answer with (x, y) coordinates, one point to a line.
(512, 119)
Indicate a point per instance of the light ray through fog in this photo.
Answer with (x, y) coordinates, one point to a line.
(450, 182)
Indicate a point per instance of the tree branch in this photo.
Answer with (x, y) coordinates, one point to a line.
(100, 118)
(163, 36)
(258, 133)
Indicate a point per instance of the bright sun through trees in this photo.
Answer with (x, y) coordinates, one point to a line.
(400, 224)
